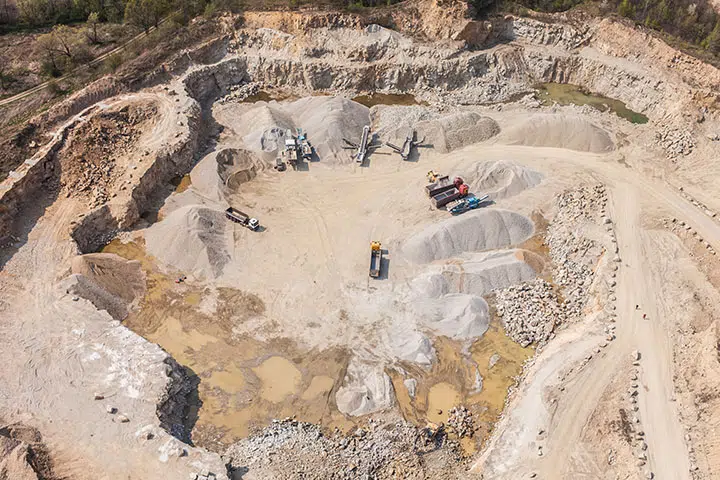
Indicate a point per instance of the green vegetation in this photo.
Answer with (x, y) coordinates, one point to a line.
(693, 22)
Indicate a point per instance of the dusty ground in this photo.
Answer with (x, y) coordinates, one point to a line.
(285, 321)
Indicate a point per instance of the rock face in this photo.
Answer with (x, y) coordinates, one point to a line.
(23, 456)
(110, 282)
(180, 394)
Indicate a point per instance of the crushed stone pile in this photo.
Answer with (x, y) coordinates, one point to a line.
(108, 281)
(457, 130)
(474, 231)
(366, 389)
(327, 120)
(394, 123)
(237, 166)
(192, 239)
(456, 315)
(574, 255)
(529, 312)
(501, 179)
(478, 273)
(291, 449)
(263, 128)
(559, 131)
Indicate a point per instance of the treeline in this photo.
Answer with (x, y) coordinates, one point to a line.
(694, 21)
(142, 13)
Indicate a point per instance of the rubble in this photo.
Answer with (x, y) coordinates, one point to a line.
(529, 312)
(676, 142)
(460, 419)
(288, 448)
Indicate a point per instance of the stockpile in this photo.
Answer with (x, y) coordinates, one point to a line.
(529, 312)
(675, 142)
(559, 131)
(574, 255)
(292, 449)
(474, 231)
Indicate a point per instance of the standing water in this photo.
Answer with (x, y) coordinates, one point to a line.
(566, 94)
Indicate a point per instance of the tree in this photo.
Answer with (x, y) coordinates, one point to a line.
(144, 13)
(712, 42)
(626, 9)
(7, 76)
(57, 48)
(93, 23)
(34, 12)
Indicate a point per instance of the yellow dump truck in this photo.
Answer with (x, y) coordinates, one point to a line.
(375, 259)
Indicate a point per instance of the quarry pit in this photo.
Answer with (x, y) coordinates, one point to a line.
(507, 341)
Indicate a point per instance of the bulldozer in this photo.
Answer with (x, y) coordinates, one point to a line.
(432, 176)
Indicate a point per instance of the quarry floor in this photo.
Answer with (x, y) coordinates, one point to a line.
(310, 262)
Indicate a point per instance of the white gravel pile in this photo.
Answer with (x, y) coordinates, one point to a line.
(501, 179)
(477, 273)
(366, 389)
(559, 131)
(471, 232)
(193, 240)
(456, 315)
(457, 130)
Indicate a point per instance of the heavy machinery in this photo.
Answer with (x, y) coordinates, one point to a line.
(290, 153)
(364, 147)
(306, 148)
(454, 193)
(465, 204)
(442, 184)
(408, 145)
(432, 176)
(375, 258)
(243, 219)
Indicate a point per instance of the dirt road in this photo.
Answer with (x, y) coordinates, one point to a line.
(641, 274)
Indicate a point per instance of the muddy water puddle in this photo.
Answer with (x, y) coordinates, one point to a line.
(244, 383)
(387, 99)
(454, 380)
(269, 96)
(567, 94)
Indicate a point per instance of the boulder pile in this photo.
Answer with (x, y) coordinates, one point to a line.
(574, 256)
(675, 142)
(291, 449)
(461, 421)
(529, 312)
